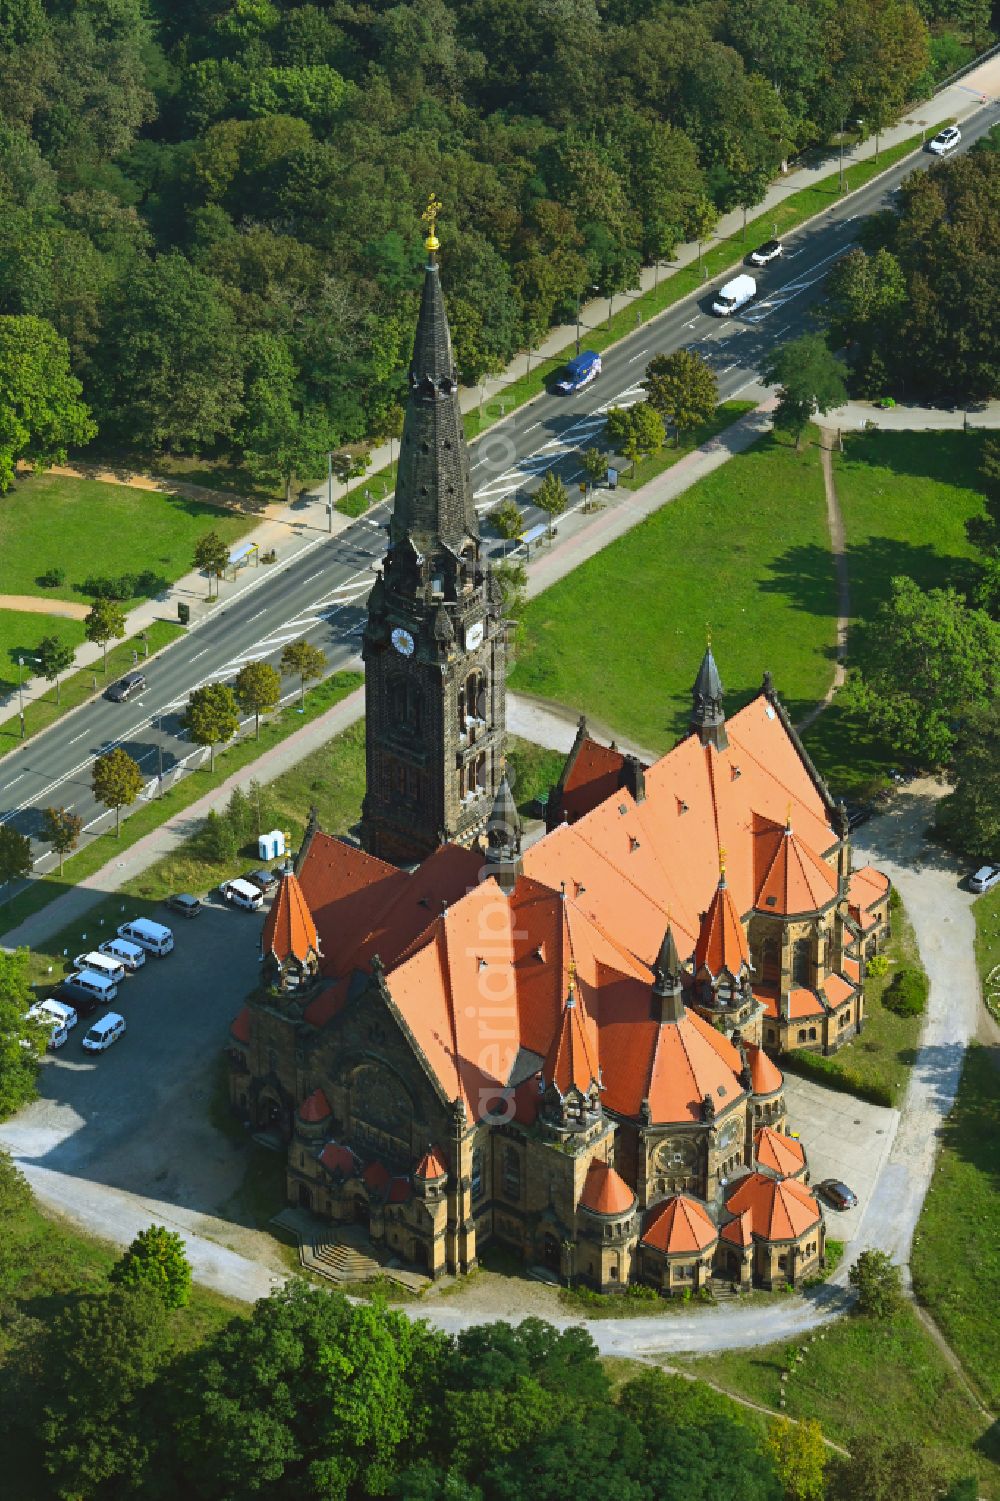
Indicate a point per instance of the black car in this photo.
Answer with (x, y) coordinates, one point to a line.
(838, 1194)
(264, 880)
(82, 1001)
(126, 687)
(187, 906)
(857, 814)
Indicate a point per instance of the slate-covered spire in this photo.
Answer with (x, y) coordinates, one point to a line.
(708, 721)
(503, 831)
(668, 991)
(433, 506)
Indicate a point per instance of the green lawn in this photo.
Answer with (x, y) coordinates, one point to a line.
(20, 633)
(744, 552)
(656, 463)
(77, 687)
(906, 499)
(956, 1249)
(88, 527)
(148, 816)
(987, 913)
(908, 1389)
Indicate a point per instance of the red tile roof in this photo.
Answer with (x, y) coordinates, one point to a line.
(866, 887)
(838, 990)
(680, 1227)
(315, 1108)
(605, 1191)
(338, 1159)
(593, 776)
(722, 943)
(400, 1191)
(376, 1175)
(782, 1154)
(739, 1232)
(571, 1062)
(765, 1077)
(791, 878)
(852, 969)
(431, 1165)
(239, 1027)
(289, 930)
(802, 1003)
(780, 1208)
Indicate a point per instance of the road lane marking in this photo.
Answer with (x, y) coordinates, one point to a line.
(76, 738)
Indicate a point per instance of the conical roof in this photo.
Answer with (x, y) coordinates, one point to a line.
(791, 877)
(680, 1226)
(605, 1190)
(571, 1062)
(668, 962)
(708, 721)
(289, 929)
(434, 504)
(504, 824)
(722, 944)
(765, 1076)
(708, 683)
(782, 1154)
(431, 1166)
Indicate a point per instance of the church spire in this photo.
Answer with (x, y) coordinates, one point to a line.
(668, 989)
(434, 504)
(708, 720)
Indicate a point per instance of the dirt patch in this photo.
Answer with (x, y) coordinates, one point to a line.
(40, 604)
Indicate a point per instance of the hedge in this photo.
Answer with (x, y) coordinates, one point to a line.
(834, 1076)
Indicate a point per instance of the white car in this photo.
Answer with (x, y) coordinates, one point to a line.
(45, 1016)
(766, 253)
(946, 140)
(104, 1032)
(985, 878)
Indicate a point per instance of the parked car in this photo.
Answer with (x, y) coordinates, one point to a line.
(837, 1194)
(264, 880)
(106, 1030)
(946, 140)
(985, 878)
(242, 894)
(71, 994)
(857, 814)
(53, 1016)
(766, 253)
(129, 954)
(184, 903)
(151, 936)
(126, 687)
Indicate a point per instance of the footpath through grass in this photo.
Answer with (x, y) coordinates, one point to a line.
(862, 1375)
(956, 1248)
(77, 687)
(665, 458)
(621, 636)
(906, 499)
(150, 815)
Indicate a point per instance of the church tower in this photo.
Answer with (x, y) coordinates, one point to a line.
(434, 644)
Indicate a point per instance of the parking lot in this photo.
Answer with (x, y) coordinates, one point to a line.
(137, 1118)
(844, 1138)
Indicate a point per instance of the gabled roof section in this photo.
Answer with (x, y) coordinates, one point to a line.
(680, 1227)
(605, 1190)
(289, 929)
(867, 888)
(791, 877)
(739, 1231)
(571, 1062)
(722, 944)
(780, 1208)
(765, 1077)
(591, 774)
(782, 1154)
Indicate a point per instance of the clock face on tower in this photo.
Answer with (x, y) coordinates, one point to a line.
(403, 642)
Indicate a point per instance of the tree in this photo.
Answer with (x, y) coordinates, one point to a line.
(876, 1280)
(156, 1259)
(106, 622)
(636, 430)
(306, 662)
(18, 1064)
(211, 555)
(800, 1457)
(551, 496)
(809, 380)
(929, 661)
(15, 854)
(513, 580)
(117, 782)
(41, 413)
(682, 387)
(258, 689)
(595, 466)
(212, 716)
(61, 829)
(971, 814)
(883, 1468)
(702, 217)
(54, 658)
(507, 519)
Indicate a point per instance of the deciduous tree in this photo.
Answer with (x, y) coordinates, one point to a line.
(257, 689)
(682, 387)
(15, 854)
(41, 413)
(507, 519)
(800, 1457)
(595, 466)
(305, 661)
(54, 658)
(105, 623)
(18, 1065)
(211, 555)
(117, 781)
(809, 378)
(877, 1282)
(62, 829)
(156, 1259)
(212, 716)
(551, 497)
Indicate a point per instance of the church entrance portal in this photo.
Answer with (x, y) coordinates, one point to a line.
(551, 1254)
(361, 1212)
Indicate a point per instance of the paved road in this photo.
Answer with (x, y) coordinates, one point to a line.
(320, 595)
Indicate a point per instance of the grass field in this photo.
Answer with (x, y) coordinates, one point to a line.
(77, 687)
(88, 527)
(906, 499)
(908, 1389)
(648, 468)
(147, 816)
(20, 633)
(622, 636)
(956, 1249)
(987, 913)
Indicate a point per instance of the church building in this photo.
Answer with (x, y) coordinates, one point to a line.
(564, 1043)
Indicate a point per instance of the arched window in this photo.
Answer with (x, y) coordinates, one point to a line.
(511, 1173)
(802, 961)
(476, 1180)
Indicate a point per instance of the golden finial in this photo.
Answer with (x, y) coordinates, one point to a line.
(429, 216)
(708, 637)
(572, 976)
(788, 816)
(722, 863)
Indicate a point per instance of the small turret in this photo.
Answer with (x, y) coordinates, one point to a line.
(708, 721)
(668, 993)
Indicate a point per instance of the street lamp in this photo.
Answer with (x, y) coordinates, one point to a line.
(20, 695)
(159, 755)
(329, 492)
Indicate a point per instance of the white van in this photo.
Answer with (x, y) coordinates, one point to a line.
(129, 954)
(101, 986)
(151, 936)
(104, 1032)
(55, 1011)
(734, 295)
(101, 964)
(242, 894)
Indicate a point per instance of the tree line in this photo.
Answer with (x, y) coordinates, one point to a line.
(211, 240)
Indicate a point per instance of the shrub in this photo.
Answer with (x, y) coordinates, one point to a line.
(51, 578)
(907, 995)
(835, 1076)
(156, 1259)
(878, 965)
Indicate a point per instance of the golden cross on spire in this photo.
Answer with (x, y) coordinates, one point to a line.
(788, 816)
(722, 863)
(430, 216)
(572, 976)
(708, 636)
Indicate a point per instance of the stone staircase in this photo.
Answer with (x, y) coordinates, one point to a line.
(343, 1253)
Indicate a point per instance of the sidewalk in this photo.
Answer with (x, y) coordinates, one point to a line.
(903, 418)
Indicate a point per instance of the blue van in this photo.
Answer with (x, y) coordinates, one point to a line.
(579, 372)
